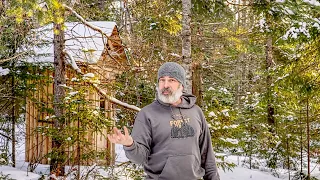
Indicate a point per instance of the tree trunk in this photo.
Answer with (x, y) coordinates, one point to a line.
(56, 165)
(269, 62)
(308, 139)
(186, 43)
(269, 65)
(288, 148)
(128, 23)
(197, 83)
(301, 142)
(13, 128)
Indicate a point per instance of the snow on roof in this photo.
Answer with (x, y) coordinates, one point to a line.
(82, 43)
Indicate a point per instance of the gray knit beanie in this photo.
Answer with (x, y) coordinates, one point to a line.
(174, 70)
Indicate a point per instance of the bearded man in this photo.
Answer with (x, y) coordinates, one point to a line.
(170, 136)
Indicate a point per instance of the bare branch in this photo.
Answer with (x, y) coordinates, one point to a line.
(238, 4)
(114, 100)
(4, 135)
(96, 28)
(110, 98)
(9, 59)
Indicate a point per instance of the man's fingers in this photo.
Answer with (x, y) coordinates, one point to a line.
(115, 130)
(114, 138)
(126, 132)
(111, 138)
(117, 137)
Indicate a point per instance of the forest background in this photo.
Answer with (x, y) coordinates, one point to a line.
(254, 66)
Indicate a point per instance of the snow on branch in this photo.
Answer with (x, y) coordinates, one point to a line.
(175, 55)
(114, 100)
(110, 98)
(72, 62)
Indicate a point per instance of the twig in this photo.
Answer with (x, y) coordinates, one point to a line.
(1, 134)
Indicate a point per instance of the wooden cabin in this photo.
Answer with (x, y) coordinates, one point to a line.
(94, 53)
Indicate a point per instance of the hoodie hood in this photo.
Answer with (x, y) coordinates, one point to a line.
(188, 101)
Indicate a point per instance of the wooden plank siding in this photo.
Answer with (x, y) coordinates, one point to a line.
(38, 145)
(106, 69)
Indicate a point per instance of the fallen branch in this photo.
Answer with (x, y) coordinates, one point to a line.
(110, 98)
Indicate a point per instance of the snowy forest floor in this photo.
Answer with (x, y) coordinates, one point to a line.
(239, 172)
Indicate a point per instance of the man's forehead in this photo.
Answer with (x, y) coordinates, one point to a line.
(166, 77)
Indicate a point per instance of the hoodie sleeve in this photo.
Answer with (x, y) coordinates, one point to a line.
(139, 151)
(208, 161)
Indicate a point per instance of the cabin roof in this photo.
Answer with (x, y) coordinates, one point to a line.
(81, 42)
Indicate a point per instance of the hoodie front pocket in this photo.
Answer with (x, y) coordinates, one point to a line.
(184, 167)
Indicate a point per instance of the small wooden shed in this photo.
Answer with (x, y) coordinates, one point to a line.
(93, 53)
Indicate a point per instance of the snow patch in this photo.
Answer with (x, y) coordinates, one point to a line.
(4, 72)
(225, 112)
(90, 75)
(212, 114)
(312, 2)
(73, 93)
(232, 141)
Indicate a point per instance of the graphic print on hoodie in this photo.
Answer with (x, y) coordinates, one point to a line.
(173, 142)
(180, 127)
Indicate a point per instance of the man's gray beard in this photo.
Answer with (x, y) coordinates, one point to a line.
(172, 98)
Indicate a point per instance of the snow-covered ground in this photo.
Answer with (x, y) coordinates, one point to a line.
(238, 173)
(245, 174)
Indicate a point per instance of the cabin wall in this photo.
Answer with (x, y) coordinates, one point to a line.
(38, 145)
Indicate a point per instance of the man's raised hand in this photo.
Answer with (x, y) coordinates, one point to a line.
(119, 138)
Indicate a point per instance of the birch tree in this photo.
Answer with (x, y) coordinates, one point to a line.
(186, 43)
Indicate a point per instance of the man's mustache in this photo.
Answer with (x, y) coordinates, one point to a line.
(166, 90)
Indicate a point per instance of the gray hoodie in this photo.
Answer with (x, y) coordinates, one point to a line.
(173, 142)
